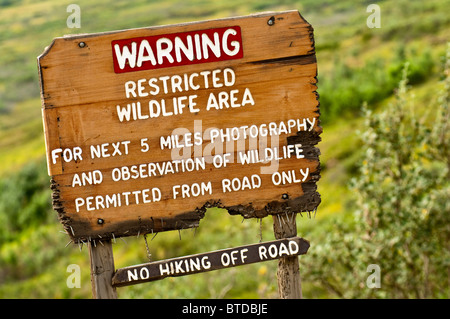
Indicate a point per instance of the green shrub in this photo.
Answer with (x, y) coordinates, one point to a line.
(402, 218)
(347, 88)
(25, 200)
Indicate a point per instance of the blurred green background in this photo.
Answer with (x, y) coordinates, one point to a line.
(357, 66)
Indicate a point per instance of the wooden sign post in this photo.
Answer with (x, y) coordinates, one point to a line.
(147, 128)
(288, 274)
(102, 270)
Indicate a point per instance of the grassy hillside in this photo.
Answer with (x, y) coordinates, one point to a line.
(356, 65)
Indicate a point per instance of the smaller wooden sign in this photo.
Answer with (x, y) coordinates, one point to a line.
(215, 260)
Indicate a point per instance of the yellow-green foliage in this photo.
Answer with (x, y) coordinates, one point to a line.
(356, 64)
(402, 212)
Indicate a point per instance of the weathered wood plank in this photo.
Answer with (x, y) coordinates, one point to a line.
(210, 261)
(106, 167)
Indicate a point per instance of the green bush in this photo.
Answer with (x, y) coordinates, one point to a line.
(25, 200)
(402, 218)
(347, 88)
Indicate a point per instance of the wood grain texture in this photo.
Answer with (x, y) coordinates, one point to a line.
(102, 270)
(80, 92)
(288, 272)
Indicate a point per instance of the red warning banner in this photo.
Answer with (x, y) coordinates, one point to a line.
(176, 49)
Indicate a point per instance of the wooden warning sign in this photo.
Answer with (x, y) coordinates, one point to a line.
(147, 128)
